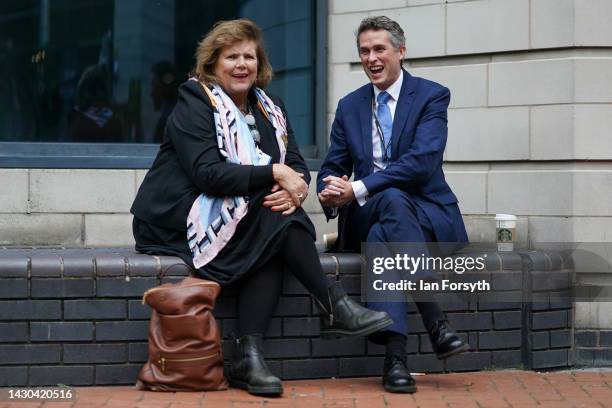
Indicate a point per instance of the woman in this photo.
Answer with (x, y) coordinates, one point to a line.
(225, 194)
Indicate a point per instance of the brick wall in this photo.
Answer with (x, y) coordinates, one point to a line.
(75, 317)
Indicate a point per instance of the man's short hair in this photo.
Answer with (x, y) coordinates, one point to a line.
(383, 23)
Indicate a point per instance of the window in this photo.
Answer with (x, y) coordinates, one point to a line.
(98, 78)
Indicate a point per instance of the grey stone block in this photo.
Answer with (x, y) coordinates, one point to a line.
(95, 353)
(550, 359)
(13, 288)
(286, 348)
(13, 376)
(301, 326)
(117, 374)
(602, 357)
(13, 265)
(469, 361)
(293, 306)
(78, 264)
(561, 300)
(560, 338)
(506, 358)
(547, 281)
(500, 300)
(13, 332)
(142, 265)
(549, 320)
(311, 368)
(98, 309)
(453, 302)
(138, 352)
(30, 354)
(339, 347)
(587, 338)
(61, 331)
(425, 344)
(507, 280)
(138, 311)
(62, 288)
(540, 301)
(511, 261)
(46, 264)
(138, 330)
(499, 340)
(68, 375)
(119, 287)
(425, 363)
(540, 340)
(605, 338)
(415, 323)
(110, 265)
(361, 366)
(507, 320)
(584, 357)
(30, 309)
(173, 266)
(471, 321)
(274, 328)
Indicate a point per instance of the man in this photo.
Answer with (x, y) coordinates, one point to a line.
(391, 133)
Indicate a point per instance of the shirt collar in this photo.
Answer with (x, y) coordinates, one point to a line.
(394, 89)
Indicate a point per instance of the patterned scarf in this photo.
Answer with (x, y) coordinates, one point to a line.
(212, 221)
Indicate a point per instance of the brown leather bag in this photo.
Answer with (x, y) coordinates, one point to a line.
(184, 342)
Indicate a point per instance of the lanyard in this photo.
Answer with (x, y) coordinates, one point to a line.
(384, 147)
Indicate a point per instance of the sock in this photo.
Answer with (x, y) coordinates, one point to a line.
(396, 344)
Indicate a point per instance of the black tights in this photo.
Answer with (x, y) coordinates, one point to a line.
(259, 293)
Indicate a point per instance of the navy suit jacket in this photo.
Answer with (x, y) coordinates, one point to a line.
(417, 147)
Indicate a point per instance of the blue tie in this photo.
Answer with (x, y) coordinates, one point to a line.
(386, 123)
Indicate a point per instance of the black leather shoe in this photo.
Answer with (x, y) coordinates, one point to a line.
(249, 370)
(396, 377)
(445, 341)
(347, 317)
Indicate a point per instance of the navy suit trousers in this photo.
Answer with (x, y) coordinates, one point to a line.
(393, 216)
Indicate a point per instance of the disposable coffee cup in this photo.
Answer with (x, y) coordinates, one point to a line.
(505, 231)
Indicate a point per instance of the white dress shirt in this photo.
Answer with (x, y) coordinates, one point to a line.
(360, 190)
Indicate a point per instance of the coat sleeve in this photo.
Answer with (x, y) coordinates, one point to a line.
(425, 156)
(192, 133)
(338, 161)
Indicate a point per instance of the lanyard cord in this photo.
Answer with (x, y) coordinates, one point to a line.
(380, 134)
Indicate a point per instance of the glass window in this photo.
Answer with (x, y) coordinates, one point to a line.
(107, 71)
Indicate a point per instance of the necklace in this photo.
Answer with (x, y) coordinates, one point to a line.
(250, 121)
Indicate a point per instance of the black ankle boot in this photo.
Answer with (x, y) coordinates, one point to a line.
(343, 317)
(445, 341)
(249, 370)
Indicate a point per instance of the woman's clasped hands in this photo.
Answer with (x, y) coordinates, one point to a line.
(289, 191)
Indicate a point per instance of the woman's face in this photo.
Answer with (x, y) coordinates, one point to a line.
(236, 69)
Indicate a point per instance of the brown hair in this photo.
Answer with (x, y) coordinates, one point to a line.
(227, 33)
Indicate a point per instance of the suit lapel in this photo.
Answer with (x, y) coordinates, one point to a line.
(402, 111)
(365, 116)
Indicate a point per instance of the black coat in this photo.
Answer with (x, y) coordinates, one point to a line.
(189, 163)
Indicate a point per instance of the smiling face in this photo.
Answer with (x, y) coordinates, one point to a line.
(236, 69)
(381, 61)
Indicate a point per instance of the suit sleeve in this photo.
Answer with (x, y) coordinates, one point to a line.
(338, 161)
(293, 157)
(192, 133)
(425, 155)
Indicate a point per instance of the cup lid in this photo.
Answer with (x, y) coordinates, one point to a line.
(505, 217)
